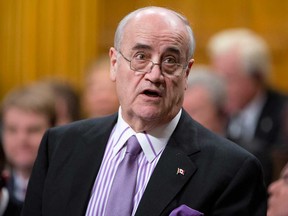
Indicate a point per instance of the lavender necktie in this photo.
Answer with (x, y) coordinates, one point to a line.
(120, 201)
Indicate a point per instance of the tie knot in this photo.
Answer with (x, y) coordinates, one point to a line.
(133, 146)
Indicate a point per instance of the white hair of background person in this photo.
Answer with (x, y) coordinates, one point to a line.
(253, 50)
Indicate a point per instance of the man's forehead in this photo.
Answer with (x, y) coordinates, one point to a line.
(147, 36)
(156, 29)
(154, 16)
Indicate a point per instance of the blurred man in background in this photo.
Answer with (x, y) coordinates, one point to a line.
(255, 111)
(7, 207)
(67, 101)
(205, 98)
(26, 113)
(99, 95)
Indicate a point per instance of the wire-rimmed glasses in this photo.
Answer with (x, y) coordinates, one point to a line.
(143, 66)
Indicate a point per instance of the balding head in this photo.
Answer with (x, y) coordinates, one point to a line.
(165, 13)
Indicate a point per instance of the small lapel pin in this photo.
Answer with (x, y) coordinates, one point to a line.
(180, 171)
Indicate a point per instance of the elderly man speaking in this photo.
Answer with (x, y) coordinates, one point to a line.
(150, 158)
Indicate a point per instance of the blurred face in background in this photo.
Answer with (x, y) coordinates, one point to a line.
(278, 191)
(22, 133)
(200, 106)
(241, 87)
(100, 96)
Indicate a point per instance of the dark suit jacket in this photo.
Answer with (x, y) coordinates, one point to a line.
(220, 177)
(12, 209)
(268, 132)
(270, 122)
(10, 185)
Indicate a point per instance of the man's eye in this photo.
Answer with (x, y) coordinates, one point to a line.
(170, 60)
(140, 56)
(10, 130)
(34, 130)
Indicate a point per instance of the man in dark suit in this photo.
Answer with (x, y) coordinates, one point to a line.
(7, 206)
(255, 110)
(183, 167)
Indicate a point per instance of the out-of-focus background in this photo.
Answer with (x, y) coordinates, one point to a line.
(58, 38)
(54, 69)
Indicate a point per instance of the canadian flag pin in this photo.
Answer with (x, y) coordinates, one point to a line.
(180, 171)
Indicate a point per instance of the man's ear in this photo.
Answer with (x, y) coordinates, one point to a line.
(189, 66)
(187, 72)
(113, 63)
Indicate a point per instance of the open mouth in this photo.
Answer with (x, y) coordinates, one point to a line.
(152, 93)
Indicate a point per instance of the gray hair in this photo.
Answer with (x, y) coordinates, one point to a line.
(253, 50)
(201, 75)
(120, 28)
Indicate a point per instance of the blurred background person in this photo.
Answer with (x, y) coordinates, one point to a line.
(67, 101)
(278, 195)
(99, 94)
(7, 208)
(205, 98)
(26, 113)
(255, 110)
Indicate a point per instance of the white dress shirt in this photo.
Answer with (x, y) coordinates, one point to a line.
(244, 124)
(152, 143)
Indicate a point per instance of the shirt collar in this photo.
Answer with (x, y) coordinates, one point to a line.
(152, 142)
(252, 110)
(4, 197)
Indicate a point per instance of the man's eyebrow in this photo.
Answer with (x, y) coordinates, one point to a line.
(173, 50)
(141, 46)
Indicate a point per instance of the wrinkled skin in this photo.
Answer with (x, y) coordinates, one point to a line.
(152, 99)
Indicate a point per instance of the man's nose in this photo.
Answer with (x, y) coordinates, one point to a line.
(155, 74)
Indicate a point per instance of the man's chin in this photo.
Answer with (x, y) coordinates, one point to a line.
(149, 113)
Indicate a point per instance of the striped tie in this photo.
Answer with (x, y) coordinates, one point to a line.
(120, 201)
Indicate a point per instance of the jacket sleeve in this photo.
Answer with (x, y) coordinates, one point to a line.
(246, 194)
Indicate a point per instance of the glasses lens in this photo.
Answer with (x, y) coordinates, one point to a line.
(141, 65)
(145, 66)
(169, 68)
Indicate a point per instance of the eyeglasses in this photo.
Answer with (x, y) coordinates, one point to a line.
(143, 66)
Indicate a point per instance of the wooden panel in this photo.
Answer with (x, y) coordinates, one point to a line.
(59, 37)
(271, 21)
(46, 38)
(27, 48)
(109, 15)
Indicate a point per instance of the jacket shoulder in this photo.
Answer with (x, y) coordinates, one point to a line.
(85, 125)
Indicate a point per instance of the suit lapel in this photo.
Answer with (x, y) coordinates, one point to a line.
(173, 170)
(165, 183)
(88, 157)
